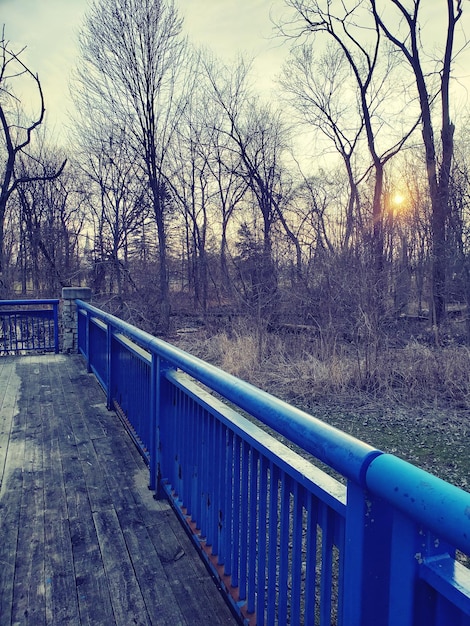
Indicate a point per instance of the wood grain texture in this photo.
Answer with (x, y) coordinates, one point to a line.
(83, 541)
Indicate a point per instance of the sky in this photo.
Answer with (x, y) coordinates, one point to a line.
(48, 29)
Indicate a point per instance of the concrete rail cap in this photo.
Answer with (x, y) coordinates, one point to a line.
(74, 293)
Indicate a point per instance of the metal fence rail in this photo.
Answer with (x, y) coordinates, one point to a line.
(288, 543)
(29, 326)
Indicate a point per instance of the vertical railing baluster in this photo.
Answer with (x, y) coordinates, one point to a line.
(185, 478)
(13, 336)
(164, 421)
(175, 452)
(296, 568)
(284, 565)
(88, 342)
(109, 361)
(206, 494)
(189, 436)
(186, 443)
(311, 559)
(175, 442)
(198, 452)
(220, 498)
(178, 445)
(211, 524)
(339, 524)
(202, 456)
(56, 327)
(273, 543)
(253, 531)
(237, 511)
(228, 504)
(262, 539)
(153, 423)
(215, 484)
(244, 502)
(327, 533)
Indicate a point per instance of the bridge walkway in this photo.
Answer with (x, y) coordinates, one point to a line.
(82, 540)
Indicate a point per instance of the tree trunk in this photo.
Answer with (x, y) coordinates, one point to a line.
(165, 308)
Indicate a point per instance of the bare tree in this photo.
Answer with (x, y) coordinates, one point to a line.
(223, 165)
(118, 203)
(403, 28)
(50, 220)
(191, 184)
(258, 136)
(231, 190)
(353, 31)
(17, 133)
(131, 56)
(317, 88)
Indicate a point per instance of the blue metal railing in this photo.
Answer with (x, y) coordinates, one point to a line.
(288, 543)
(26, 328)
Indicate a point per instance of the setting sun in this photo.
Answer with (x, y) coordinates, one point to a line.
(398, 199)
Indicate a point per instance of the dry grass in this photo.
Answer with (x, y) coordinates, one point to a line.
(293, 368)
(412, 401)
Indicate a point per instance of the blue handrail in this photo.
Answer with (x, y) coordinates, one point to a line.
(346, 454)
(289, 544)
(429, 500)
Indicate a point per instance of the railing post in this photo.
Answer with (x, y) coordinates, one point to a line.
(87, 343)
(403, 571)
(418, 499)
(160, 402)
(55, 307)
(109, 365)
(70, 317)
(154, 372)
(366, 559)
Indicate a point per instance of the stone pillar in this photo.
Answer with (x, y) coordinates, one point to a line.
(69, 321)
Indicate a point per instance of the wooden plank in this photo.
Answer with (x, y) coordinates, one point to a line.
(60, 583)
(98, 493)
(10, 505)
(126, 598)
(115, 472)
(94, 601)
(94, 547)
(72, 421)
(9, 391)
(76, 448)
(89, 401)
(157, 591)
(29, 591)
(76, 491)
(55, 501)
(186, 573)
(10, 490)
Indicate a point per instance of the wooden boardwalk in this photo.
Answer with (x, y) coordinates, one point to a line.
(82, 540)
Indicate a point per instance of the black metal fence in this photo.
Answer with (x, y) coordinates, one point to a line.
(29, 325)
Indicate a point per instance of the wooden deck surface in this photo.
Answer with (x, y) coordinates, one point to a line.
(82, 540)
